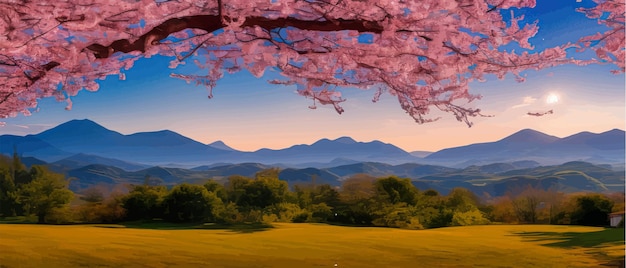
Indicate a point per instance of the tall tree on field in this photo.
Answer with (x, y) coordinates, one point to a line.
(45, 192)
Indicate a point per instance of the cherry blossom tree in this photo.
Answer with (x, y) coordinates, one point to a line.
(609, 46)
(425, 53)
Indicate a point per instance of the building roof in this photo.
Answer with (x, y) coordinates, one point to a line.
(617, 213)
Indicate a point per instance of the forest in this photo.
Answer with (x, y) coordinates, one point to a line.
(37, 194)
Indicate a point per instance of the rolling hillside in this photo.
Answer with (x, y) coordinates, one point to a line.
(569, 177)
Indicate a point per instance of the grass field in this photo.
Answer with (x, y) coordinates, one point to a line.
(309, 245)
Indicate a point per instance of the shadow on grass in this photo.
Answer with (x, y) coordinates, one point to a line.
(16, 220)
(590, 240)
(156, 225)
(606, 237)
(348, 224)
(162, 225)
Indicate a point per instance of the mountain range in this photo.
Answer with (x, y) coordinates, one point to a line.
(82, 142)
(91, 154)
(528, 144)
(495, 179)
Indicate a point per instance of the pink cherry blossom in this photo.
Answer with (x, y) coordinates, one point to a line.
(425, 53)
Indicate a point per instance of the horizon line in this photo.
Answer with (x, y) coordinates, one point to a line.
(320, 139)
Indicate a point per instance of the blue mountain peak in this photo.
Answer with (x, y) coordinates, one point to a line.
(345, 140)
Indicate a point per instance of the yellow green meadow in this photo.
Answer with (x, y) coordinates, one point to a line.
(310, 245)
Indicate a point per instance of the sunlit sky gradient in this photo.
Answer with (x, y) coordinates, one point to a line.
(248, 113)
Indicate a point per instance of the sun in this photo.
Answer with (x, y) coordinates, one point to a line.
(552, 98)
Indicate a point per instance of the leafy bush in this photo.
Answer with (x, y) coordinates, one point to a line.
(286, 211)
(254, 216)
(320, 212)
(189, 203)
(110, 210)
(301, 217)
(229, 214)
(268, 219)
(414, 224)
(60, 215)
(472, 217)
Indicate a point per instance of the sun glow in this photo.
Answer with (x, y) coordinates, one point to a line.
(552, 98)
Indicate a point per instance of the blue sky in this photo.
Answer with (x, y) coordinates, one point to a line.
(248, 113)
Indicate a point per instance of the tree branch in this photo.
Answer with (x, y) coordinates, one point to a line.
(6, 97)
(211, 23)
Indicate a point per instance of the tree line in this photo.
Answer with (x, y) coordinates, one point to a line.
(362, 200)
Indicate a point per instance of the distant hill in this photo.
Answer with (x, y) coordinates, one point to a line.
(309, 175)
(569, 177)
(31, 161)
(243, 169)
(101, 174)
(158, 147)
(332, 163)
(81, 160)
(221, 145)
(98, 174)
(489, 179)
(31, 146)
(168, 148)
(409, 170)
(420, 154)
(81, 136)
(91, 154)
(496, 168)
(527, 144)
(609, 140)
(325, 150)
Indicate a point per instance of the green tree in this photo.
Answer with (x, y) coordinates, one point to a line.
(432, 209)
(464, 206)
(357, 197)
(279, 188)
(325, 193)
(321, 212)
(265, 190)
(8, 194)
(592, 210)
(191, 203)
(144, 202)
(308, 195)
(235, 187)
(395, 190)
(217, 188)
(44, 193)
(461, 199)
(13, 175)
(18, 170)
(304, 195)
(228, 214)
(257, 194)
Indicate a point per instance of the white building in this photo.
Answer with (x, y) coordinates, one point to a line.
(615, 218)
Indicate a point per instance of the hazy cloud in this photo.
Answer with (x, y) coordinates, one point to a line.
(528, 100)
(24, 129)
